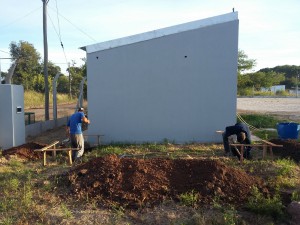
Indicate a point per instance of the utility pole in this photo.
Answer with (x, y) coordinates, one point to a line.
(45, 2)
(297, 78)
(70, 86)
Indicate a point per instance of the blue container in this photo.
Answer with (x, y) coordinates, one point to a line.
(288, 130)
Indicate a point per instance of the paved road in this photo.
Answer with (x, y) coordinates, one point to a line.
(289, 107)
(285, 107)
(62, 111)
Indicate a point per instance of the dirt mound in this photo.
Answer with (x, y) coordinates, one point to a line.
(139, 182)
(290, 149)
(25, 151)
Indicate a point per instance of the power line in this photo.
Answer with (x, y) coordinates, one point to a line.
(31, 12)
(58, 21)
(5, 52)
(76, 26)
(59, 37)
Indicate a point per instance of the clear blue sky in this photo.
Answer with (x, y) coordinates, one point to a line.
(269, 30)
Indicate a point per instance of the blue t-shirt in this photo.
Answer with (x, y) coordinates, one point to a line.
(75, 122)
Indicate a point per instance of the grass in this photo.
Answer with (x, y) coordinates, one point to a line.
(266, 125)
(189, 199)
(34, 99)
(260, 121)
(266, 205)
(29, 196)
(27, 193)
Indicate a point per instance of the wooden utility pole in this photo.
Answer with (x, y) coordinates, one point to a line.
(45, 2)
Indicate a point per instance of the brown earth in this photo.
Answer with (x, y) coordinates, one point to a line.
(25, 151)
(134, 183)
(290, 149)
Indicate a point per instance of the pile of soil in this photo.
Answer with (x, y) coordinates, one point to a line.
(133, 183)
(290, 149)
(25, 151)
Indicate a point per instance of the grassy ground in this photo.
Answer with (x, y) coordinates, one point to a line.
(29, 191)
(34, 99)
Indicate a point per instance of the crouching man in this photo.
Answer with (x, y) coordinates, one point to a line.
(243, 136)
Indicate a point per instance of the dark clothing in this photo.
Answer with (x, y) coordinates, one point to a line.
(235, 130)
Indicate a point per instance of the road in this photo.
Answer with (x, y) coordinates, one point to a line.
(288, 108)
(62, 111)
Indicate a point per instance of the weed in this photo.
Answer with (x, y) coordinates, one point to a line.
(13, 184)
(16, 165)
(111, 150)
(230, 216)
(27, 194)
(7, 221)
(269, 206)
(66, 211)
(189, 198)
(295, 196)
(216, 202)
(286, 166)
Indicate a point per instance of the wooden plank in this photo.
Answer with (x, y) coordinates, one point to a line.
(272, 144)
(50, 145)
(55, 149)
(248, 145)
(68, 150)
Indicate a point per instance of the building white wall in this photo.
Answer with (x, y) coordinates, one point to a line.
(180, 86)
(12, 125)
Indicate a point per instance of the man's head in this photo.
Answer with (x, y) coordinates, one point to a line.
(241, 137)
(80, 109)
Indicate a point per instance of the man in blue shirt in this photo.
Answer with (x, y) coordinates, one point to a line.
(74, 129)
(243, 135)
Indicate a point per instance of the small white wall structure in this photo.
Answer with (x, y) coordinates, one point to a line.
(177, 83)
(12, 123)
(275, 88)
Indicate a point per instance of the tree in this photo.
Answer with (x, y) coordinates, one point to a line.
(28, 65)
(244, 63)
(52, 69)
(260, 80)
(77, 73)
(290, 72)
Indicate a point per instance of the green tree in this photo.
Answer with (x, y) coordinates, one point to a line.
(244, 63)
(63, 85)
(290, 72)
(52, 69)
(28, 66)
(77, 73)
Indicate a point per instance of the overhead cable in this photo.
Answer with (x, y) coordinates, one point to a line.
(59, 37)
(31, 12)
(76, 26)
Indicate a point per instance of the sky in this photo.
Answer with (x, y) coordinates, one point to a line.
(269, 30)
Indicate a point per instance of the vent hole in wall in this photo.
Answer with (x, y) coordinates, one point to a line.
(185, 56)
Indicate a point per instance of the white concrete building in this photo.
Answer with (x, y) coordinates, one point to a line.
(178, 83)
(12, 128)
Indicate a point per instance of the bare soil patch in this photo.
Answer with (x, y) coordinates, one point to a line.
(134, 183)
(25, 151)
